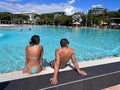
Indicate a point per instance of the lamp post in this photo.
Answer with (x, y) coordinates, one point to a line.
(0, 19)
(86, 18)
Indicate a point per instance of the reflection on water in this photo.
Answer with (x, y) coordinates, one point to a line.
(1, 35)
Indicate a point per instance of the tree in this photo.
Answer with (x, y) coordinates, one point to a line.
(5, 17)
(118, 10)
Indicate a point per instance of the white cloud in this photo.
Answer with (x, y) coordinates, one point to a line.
(38, 8)
(71, 1)
(97, 6)
(70, 10)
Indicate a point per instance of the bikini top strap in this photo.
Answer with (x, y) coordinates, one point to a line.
(33, 51)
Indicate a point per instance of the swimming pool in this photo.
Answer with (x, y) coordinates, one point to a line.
(89, 43)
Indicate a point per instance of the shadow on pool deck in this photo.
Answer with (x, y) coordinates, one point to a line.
(98, 77)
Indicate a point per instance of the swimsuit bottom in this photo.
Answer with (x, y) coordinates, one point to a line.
(34, 70)
(61, 67)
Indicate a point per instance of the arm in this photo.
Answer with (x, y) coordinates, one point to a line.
(76, 65)
(56, 68)
(41, 58)
(41, 54)
(26, 61)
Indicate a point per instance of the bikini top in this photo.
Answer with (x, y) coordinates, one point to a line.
(33, 52)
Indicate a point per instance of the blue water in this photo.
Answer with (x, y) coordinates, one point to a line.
(88, 43)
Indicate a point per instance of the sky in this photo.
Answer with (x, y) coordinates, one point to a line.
(49, 6)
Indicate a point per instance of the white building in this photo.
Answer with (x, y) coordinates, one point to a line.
(30, 14)
(97, 9)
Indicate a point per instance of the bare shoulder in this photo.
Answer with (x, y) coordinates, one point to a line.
(27, 47)
(40, 46)
(58, 49)
(71, 49)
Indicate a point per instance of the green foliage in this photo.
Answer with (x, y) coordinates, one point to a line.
(118, 10)
(56, 20)
(60, 19)
(20, 16)
(5, 15)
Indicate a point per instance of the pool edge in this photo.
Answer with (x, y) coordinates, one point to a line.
(19, 75)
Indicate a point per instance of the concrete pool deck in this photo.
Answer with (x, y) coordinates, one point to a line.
(116, 87)
(83, 64)
(86, 65)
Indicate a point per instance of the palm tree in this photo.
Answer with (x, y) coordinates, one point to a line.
(77, 17)
(37, 20)
(57, 19)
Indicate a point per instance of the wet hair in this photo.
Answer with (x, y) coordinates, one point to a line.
(35, 39)
(64, 42)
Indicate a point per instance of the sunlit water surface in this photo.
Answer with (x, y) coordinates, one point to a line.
(88, 43)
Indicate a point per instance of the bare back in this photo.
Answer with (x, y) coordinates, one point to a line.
(34, 51)
(34, 56)
(65, 54)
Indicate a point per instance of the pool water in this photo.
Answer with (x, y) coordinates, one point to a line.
(88, 43)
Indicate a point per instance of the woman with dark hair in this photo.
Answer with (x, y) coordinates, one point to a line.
(34, 55)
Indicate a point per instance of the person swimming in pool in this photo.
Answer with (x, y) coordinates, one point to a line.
(34, 56)
(62, 56)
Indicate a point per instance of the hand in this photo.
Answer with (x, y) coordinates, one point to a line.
(43, 68)
(54, 80)
(83, 73)
(24, 70)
